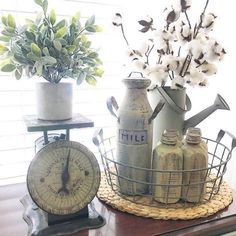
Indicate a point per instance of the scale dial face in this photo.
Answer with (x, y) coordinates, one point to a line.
(63, 177)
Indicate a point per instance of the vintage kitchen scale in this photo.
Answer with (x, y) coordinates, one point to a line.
(62, 180)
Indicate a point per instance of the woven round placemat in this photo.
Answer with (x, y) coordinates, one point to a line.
(218, 202)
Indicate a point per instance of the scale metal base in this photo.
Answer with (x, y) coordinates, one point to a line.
(37, 221)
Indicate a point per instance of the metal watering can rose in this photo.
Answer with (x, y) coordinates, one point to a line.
(178, 103)
(134, 135)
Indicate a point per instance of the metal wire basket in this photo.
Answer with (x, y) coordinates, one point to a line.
(218, 156)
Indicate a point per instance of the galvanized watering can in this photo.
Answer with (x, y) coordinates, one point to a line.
(134, 136)
(177, 103)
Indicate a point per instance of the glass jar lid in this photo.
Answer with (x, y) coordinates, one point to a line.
(170, 136)
(193, 135)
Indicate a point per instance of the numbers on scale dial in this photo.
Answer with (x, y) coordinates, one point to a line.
(63, 178)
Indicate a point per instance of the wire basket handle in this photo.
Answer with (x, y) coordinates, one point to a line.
(221, 135)
(98, 137)
(112, 106)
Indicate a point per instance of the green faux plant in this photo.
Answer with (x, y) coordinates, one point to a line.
(49, 48)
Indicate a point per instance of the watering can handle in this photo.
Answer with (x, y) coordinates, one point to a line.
(156, 111)
(173, 105)
(221, 135)
(111, 105)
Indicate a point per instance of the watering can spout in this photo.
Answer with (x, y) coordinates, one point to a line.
(219, 103)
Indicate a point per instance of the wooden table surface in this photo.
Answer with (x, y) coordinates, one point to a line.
(117, 223)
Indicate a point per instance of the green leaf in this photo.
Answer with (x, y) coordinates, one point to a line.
(20, 58)
(61, 32)
(30, 35)
(89, 61)
(45, 51)
(60, 24)
(39, 2)
(39, 67)
(4, 20)
(6, 33)
(8, 68)
(31, 56)
(98, 28)
(72, 31)
(36, 50)
(52, 17)
(11, 21)
(91, 29)
(98, 72)
(45, 5)
(57, 44)
(93, 55)
(49, 60)
(4, 38)
(52, 52)
(87, 44)
(62, 41)
(71, 48)
(81, 77)
(64, 51)
(84, 38)
(18, 73)
(75, 18)
(47, 42)
(91, 80)
(90, 21)
(10, 29)
(3, 49)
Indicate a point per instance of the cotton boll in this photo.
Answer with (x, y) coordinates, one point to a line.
(170, 62)
(208, 21)
(165, 35)
(219, 51)
(204, 82)
(158, 75)
(117, 19)
(136, 64)
(185, 5)
(195, 76)
(161, 47)
(208, 69)
(197, 49)
(183, 32)
(186, 33)
(139, 64)
(215, 51)
(194, 48)
(171, 15)
(172, 31)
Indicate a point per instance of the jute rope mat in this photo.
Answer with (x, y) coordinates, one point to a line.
(217, 203)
